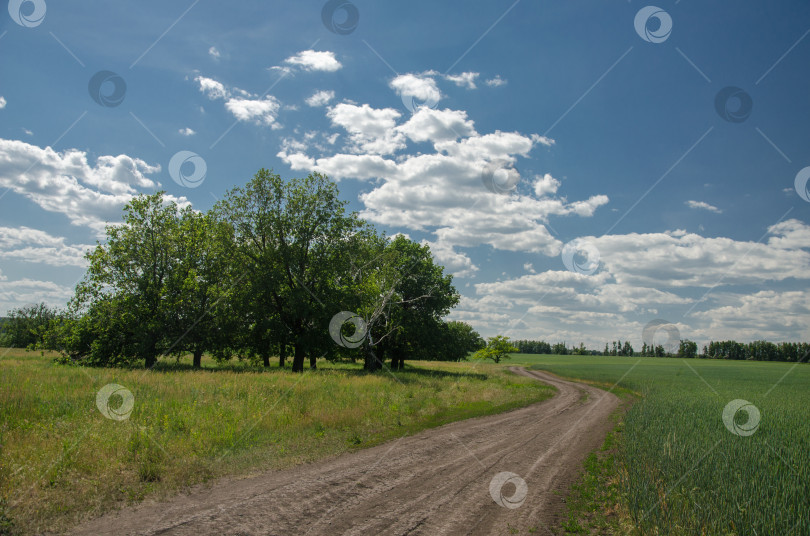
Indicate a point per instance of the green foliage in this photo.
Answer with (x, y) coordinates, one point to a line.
(294, 244)
(497, 348)
(687, 349)
(758, 351)
(28, 326)
(406, 294)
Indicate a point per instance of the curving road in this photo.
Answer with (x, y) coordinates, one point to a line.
(432, 483)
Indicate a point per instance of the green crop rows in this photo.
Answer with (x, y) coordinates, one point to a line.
(683, 471)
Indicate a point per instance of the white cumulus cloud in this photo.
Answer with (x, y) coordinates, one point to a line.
(315, 60)
(464, 79)
(421, 88)
(320, 98)
(66, 183)
(243, 105)
(33, 245)
(701, 205)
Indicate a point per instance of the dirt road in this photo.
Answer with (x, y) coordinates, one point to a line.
(440, 481)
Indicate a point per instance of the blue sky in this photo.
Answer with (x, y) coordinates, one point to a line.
(594, 132)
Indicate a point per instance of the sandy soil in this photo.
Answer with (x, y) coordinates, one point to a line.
(440, 481)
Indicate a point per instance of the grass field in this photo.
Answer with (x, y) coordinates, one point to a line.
(681, 469)
(61, 459)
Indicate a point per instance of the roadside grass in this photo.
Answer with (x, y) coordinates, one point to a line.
(679, 469)
(595, 503)
(62, 461)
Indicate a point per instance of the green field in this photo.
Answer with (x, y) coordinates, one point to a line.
(681, 471)
(61, 460)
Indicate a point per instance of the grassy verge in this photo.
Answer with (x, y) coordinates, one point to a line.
(595, 504)
(62, 460)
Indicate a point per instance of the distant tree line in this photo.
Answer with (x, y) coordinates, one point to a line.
(266, 272)
(752, 351)
(758, 351)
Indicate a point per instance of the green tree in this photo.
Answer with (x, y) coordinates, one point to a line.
(294, 241)
(129, 277)
(200, 284)
(497, 348)
(627, 349)
(687, 349)
(559, 349)
(27, 327)
(455, 341)
(404, 294)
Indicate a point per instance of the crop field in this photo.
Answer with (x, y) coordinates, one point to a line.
(694, 461)
(62, 459)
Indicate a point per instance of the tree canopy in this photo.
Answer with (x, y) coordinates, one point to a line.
(265, 272)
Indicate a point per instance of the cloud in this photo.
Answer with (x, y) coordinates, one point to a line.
(455, 262)
(28, 291)
(421, 88)
(32, 245)
(371, 131)
(677, 259)
(464, 79)
(259, 111)
(66, 183)
(546, 185)
(437, 125)
(320, 98)
(495, 82)
(703, 206)
(643, 274)
(312, 60)
(211, 88)
(764, 315)
(2, 102)
(243, 105)
(186, 131)
(441, 192)
(214, 53)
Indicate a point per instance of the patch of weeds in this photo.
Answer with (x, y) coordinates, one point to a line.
(148, 456)
(6, 523)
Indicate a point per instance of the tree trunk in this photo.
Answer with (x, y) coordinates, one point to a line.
(266, 360)
(150, 356)
(282, 355)
(298, 358)
(313, 362)
(198, 359)
(372, 363)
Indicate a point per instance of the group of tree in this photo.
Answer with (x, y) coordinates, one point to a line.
(758, 351)
(261, 274)
(28, 326)
(686, 349)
